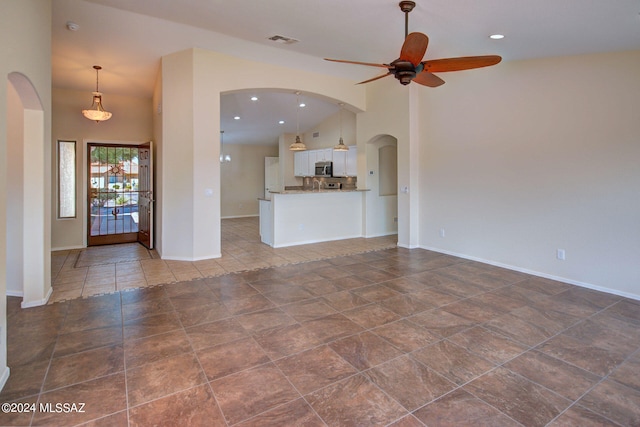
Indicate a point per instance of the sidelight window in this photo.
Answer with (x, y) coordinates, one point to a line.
(66, 179)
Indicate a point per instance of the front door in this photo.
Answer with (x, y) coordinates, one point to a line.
(145, 195)
(120, 178)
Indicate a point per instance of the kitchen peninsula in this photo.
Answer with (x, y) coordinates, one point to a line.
(296, 217)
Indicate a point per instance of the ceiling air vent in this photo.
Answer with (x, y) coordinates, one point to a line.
(283, 39)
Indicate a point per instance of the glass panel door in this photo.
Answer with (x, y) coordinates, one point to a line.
(113, 194)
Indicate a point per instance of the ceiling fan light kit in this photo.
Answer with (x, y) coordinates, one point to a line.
(410, 67)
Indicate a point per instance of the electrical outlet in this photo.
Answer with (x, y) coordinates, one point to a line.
(560, 254)
(395, 219)
(442, 232)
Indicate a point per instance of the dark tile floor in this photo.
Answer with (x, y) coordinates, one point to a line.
(388, 338)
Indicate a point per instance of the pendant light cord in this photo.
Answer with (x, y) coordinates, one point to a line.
(297, 113)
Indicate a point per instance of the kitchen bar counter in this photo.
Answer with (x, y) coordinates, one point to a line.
(316, 191)
(297, 217)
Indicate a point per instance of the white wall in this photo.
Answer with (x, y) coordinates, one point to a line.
(242, 179)
(315, 217)
(25, 48)
(131, 123)
(380, 210)
(389, 113)
(527, 157)
(190, 132)
(329, 131)
(15, 190)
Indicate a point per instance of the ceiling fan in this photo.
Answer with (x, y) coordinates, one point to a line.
(410, 66)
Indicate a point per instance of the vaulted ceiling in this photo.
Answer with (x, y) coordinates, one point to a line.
(128, 37)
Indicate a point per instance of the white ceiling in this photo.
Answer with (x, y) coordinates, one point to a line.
(129, 45)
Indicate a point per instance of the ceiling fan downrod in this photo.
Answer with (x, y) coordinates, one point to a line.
(406, 6)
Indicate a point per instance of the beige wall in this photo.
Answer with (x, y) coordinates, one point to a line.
(15, 192)
(131, 123)
(388, 115)
(381, 209)
(242, 179)
(25, 48)
(527, 157)
(191, 132)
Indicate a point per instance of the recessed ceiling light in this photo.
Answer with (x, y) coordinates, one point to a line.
(302, 104)
(254, 98)
(281, 122)
(496, 36)
(236, 118)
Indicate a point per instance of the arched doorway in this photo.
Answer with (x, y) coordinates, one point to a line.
(382, 181)
(28, 236)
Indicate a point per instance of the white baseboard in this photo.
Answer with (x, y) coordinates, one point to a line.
(306, 242)
(402, 245)
(537, 273)
(4, 377)
(389, 233)
(15, 293)
(68, 248)
(38, 302)
(172, 258)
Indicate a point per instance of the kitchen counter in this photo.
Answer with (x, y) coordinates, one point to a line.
(317, 191)
(296, 217)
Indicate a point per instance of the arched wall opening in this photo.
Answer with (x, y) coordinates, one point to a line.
(28, 254)
(257, 137)
(191, 132)
(382, 183)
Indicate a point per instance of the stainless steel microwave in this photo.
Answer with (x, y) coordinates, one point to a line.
(324, 169)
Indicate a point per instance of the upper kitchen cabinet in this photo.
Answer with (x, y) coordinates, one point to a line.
(304, 162)
(301, 164)
(345, 163)
(324, 155)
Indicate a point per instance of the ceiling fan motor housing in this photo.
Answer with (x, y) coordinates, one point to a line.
(404, 71)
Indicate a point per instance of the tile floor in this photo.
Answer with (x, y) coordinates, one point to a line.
(393, 337)
(105, 269)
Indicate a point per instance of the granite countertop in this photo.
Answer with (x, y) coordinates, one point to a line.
(317, 191)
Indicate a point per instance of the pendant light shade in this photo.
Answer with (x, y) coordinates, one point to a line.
(96, 111)
(298, 145)
(341, 146)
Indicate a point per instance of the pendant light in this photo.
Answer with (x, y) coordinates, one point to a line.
(96, 111)
(341, 146)
(298, 145)
(223, 158)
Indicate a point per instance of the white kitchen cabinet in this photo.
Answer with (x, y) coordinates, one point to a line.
(352, 161)
(324, 155)
(301, 164)
(345, 163)
(340, 163)
(312, 161)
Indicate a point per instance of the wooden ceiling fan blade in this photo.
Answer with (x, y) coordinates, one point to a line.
(425, 78)
(369, 64)
(461, 63)
(375, 78)
(414, 48)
